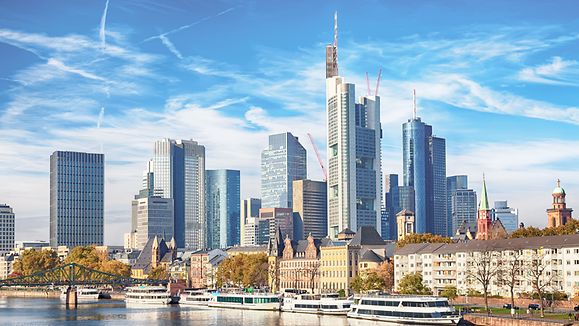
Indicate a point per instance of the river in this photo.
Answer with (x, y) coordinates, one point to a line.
(43, 311)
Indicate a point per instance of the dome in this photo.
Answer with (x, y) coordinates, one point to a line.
(558, 190)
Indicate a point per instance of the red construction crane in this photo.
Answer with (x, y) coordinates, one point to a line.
(319, 157)
(378, 82)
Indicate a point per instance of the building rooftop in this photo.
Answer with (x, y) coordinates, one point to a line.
(367, 236)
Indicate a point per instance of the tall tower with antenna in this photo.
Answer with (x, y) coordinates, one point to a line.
(332, 52)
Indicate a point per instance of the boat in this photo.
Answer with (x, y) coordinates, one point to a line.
(325, 304)
(418, 310)
(195, 298)
(248, 301)
(82, 294)
(148, 295)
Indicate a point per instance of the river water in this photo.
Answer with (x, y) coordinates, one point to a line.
(42, 311)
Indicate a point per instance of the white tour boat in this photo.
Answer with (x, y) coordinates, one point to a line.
(249, 301)
(195, 298)
(419, 310)
(148, 295)
(83, 294)
(325, 304)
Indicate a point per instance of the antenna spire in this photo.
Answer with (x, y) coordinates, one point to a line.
(336, 39)
(414, 100)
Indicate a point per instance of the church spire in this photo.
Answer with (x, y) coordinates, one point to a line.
(484, 201)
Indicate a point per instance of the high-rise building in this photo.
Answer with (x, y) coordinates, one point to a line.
(508, 216)
(424, 169)
(310, 209)
(223, 208)
(154, 218)
(282, 162)
(558, 214)
(461, 203)
(279, 219)
(179, 173)
(76, 199)
(249, 211)
(354, 160)
(391, 207)
(6, 229)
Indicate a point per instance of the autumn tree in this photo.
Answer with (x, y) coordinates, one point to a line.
(483, 268)
(422, 238)
(243, 270)
(367, 281)
(511, 273)
(33, 261)
(386, 271)
(116, 267)
(89, 256)
(159, 273)
(412, 284)
(311, 272)
(537, 273)
(449, 292)
(570, 227)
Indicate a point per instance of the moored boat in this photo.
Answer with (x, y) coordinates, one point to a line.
(195, 298)
(326, 304)
(248, 301)
(83, 294)
(148, 295)
(418, 310)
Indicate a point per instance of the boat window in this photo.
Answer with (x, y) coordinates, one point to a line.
(346, 306)
(329, 307)
(248, 300)
(364, 312)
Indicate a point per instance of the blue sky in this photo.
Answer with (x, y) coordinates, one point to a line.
(498, 80)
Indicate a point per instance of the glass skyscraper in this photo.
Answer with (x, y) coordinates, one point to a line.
(179, 173)
(508, 216)
(282, 162)
(6, 229)
(424, 169)
(461, 203)
(76, 199)
(223, 208)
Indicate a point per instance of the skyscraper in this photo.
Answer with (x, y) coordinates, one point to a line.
(424, 169)
(310, 209)
(354, 160)
(508, 216)
(76, 199)
(282, 162)
(179, 173)
(154, 217)
(6, 229)
(392, 207)
(249, 212)
(461, 203)
(223, 208)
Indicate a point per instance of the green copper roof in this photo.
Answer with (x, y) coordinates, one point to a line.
(558, 189)
(484, 201)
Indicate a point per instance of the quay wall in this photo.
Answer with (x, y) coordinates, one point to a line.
(476, 319)
(32, 293)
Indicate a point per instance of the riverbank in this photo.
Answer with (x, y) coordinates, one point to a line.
(480, 319)
(30, 293)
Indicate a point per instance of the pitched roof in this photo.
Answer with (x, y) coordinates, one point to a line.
(371, 256)
(347, 231)
(146, 256)
(484, 201)
(367, 236)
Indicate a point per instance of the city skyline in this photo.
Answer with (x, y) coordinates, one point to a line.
(108, 82)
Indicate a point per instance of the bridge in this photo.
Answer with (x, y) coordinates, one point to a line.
(72, 275)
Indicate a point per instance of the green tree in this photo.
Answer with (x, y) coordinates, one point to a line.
(422, 238)
(412, 284)
(342, 293)
(32, 261)
(449, 292)
(159, 273)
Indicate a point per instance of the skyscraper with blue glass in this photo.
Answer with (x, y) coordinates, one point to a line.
(282, 162)
(223, 208)
(424, 169)
(76, 199)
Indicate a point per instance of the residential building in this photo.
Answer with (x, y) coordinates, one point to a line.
(156, 253)
(456, 264)
(559, 214)
(405, 223)
(283, 161)
(424, 169)
(462, 204)
(7, 221)
(354, 158)
(310, 209)
(155, 217)
(204, 265)
(6, 265)
(507, 215)
(223, 208)
(179, 173)
(279, 218)
(249, 210)
(76, 199)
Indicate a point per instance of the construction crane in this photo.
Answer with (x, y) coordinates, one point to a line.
(378, 82)
(319, 157)
(368, 84)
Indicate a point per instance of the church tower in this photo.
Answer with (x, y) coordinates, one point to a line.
(484, 220)
(559, 214)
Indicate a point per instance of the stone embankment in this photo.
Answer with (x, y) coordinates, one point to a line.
(31, 293)
(478, 319)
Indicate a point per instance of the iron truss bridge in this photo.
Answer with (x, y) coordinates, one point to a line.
(73, 274)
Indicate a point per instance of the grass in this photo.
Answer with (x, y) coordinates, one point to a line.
(523, 313)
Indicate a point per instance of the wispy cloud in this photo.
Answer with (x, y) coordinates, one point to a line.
(102, 31)
(60, 65)
(170, 46)
(556, 72)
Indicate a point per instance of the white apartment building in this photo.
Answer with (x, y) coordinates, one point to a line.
(454, 264)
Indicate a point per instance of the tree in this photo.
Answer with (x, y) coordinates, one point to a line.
(89, 256)
(386, 272)
(570, 227)
(311, 272)
(483, 269)
(159, 273)
(116, 267)
(537, 274)
(243, 270)
(32, 261)
(511, 273)
(422, 238)
(449, 292)
(412, 284)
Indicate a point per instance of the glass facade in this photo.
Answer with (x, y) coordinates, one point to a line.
(508, 216)
(282, 162)
(6, 229)
(461, 203)
(392, 206)
(441, 223)
(154, 217)
(179, 173)
(76, 199)
(223, 208)
(310, 209)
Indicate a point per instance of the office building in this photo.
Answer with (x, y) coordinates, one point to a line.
(7, 221)
(279, 218)
(76, 199)
(282, 162)
(310, 209)
(154, 218)
(391, 207)
(354, 160)
(179, 173)
(223, 208)
(462, 203)
(424, 169)
(508, 216)
(249, 211)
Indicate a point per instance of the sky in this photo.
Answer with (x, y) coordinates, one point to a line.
(499, 80)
